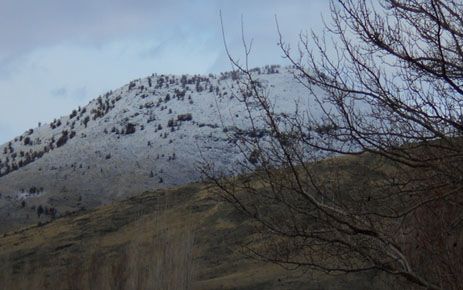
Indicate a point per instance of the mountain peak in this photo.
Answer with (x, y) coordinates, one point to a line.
(148, 134)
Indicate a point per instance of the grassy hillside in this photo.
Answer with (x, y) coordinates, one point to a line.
(181, 238)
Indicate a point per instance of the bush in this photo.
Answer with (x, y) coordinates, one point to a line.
(27, 141)
(185, 117)
(63, 139)
(39, 210)
(130, 128)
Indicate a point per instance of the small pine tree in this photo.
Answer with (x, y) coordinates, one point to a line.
(39, 210)
(130, 128)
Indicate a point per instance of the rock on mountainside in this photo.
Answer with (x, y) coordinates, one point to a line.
(148, 134)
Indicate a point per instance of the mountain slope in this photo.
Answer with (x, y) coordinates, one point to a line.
(157, 240)
(148, 134)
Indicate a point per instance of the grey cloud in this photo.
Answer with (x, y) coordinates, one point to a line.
(80, 93)
(152, 51)
(5, 68)
(25, 25)
(59, 92)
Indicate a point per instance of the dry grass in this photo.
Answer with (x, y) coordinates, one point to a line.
(154, 251)
(172, 239)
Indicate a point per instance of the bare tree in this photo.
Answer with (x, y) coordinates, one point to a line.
(371, 179)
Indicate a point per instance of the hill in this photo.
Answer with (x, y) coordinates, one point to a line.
(148, 134)
(182, 238)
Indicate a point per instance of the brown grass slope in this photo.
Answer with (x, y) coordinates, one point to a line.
(180, 238)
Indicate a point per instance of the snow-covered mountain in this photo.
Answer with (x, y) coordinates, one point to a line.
(148, 134)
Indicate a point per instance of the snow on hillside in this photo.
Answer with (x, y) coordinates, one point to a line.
(148, 134)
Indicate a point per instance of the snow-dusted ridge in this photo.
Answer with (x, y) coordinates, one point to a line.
(145, 135)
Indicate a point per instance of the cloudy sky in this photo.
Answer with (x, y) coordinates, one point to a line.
(58, 54)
